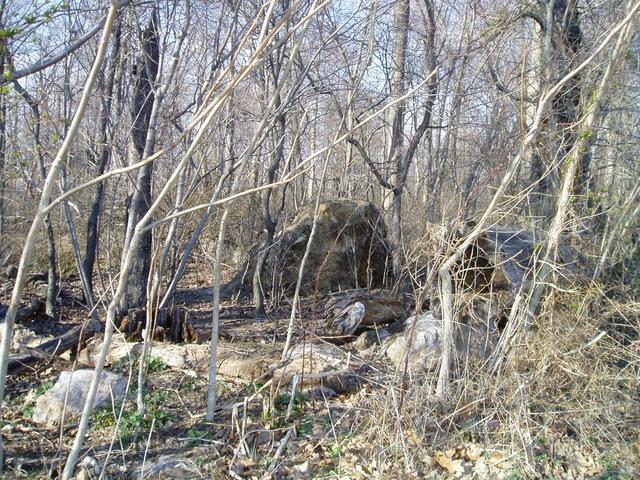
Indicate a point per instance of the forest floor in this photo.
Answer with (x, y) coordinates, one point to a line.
(377, 431)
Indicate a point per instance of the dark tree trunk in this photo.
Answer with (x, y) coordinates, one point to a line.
(91, 249)
(564, 110)
(276, 60)
(3, 132)
(566, 105)
(401, 15)
(269, 222)
(146, 72)
(52, 270)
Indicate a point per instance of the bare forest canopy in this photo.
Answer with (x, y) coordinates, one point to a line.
(476, 160)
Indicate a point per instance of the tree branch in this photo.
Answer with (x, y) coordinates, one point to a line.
(370, 162)
(47, 62)
(501, 87)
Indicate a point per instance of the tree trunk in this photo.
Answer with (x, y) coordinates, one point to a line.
(147, 70)
(269, 222)
(3, 119)
(52, 269)
(558, 56)
(3, 133)
(91, 246)
(398, 59)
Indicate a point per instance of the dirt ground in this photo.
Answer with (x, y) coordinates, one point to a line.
(259, 431)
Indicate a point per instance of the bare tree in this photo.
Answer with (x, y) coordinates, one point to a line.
(143, 140)
(400, 157)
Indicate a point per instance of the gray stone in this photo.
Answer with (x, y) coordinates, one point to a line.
(370, 338)
(23, 337)
(11, 272)
(69, 394)
(424, 349)
(169, 466)
(350, 318)
(354, 311)
(473, 339)
(322, 364)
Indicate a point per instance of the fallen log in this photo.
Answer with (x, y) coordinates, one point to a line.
(352, 312)
(77, 336)
(30, 311)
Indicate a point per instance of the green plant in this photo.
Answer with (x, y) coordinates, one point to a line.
(200, 462)
(612, 469)
(306, 427)
(277, 417)
(28, 404)
(517, 476)
(253, 387)
(27, 410)
(193, 384)
(198, 433)
(155, 413)
(283, 399)
(156, 403)
(42, 389)
(334, 450)
(103, 418)
(154, 364)
(7, 33)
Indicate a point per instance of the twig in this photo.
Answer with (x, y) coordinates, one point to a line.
(144, 458)
(593, 341)
(274, 463)
(294, 384)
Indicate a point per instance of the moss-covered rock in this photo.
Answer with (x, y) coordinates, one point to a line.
(350, 248)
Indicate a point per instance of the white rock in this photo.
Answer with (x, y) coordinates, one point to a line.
(472, 340)
(73, 387)
(23, 337)
(425, 349)
(232, 362)
(322, 364)
(168, 466)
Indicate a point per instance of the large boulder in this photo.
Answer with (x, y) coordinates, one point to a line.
(69, 394)
(502, 258)
(420, 341)
(350, 248)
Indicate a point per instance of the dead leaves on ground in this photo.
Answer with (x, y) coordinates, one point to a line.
(583, 465)
(471, 461)
(474, 462)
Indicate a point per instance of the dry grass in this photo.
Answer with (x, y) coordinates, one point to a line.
(566, 395)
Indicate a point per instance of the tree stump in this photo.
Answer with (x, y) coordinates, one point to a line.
(171, 325)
